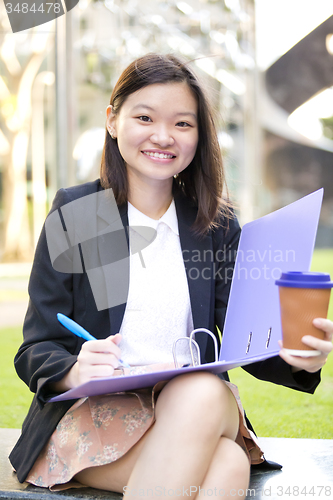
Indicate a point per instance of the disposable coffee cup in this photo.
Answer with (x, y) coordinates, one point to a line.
(303, 297)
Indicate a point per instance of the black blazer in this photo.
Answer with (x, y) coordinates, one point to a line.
(49, 351)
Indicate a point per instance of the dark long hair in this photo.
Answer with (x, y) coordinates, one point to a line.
(204, 179)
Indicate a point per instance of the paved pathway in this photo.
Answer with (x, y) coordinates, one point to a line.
(13, 278)
(12, 313)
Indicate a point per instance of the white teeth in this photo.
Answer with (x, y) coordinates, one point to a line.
(157, 155)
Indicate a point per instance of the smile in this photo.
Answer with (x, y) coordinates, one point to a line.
(158, 155)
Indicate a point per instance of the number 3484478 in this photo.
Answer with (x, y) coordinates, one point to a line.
(35, 8)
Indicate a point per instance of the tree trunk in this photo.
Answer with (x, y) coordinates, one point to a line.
(17, 235)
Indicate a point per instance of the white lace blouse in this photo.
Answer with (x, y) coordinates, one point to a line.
(158, 309)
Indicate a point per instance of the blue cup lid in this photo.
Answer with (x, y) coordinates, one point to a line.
(297, 279)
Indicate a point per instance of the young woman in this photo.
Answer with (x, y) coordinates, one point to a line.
(162, 161)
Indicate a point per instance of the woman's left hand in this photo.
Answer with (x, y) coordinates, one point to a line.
(313, 363)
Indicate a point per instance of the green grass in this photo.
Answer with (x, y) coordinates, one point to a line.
(274, 410)
(15, 396)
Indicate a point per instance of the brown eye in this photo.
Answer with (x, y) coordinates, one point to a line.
(144, 118)
(183, 124)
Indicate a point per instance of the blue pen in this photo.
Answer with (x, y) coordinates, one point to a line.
(80, 332)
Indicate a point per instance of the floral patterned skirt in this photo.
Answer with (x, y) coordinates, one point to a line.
(99, 430)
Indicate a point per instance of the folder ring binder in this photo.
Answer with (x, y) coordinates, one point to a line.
(192, 342)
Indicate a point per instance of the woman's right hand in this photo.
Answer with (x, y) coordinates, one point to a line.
(96, 359)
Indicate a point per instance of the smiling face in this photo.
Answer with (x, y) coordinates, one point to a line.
(157, 132)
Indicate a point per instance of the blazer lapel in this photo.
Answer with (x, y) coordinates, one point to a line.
(116, 313)
(198, 261)
(115, 274)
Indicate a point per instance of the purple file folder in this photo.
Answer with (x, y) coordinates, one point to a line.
(281, 241)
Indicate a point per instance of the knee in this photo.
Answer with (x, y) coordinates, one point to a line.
(199, 388)
(203, 396)
(209, 391)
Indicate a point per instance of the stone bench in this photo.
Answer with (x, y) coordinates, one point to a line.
(307, 474)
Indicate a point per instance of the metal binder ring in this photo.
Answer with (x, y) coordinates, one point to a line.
(191, 341)
(209, 333)
(191, 350)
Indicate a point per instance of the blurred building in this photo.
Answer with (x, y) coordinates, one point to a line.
(82, 54)
(297, 119)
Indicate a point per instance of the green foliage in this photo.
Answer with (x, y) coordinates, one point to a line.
(323, 262)
(327, 127)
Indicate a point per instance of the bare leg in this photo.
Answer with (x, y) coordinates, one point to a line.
(192, 412)
(229, 472)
